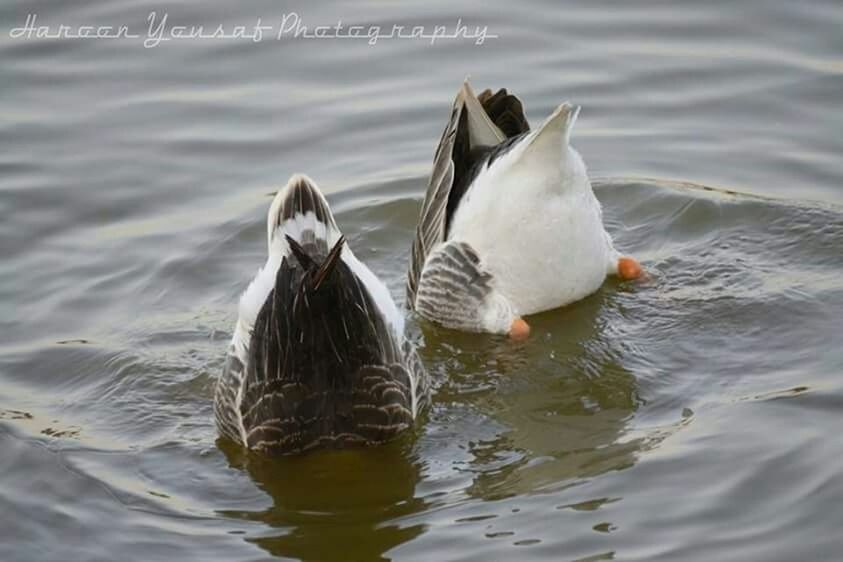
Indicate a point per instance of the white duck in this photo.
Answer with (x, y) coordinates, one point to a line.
(318, 357)
(510, 225)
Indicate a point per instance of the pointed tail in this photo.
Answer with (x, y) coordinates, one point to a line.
(316, 273)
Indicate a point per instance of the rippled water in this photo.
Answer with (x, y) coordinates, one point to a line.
(694, 416)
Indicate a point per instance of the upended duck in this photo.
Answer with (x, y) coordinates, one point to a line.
(509, 225)
(319, 357)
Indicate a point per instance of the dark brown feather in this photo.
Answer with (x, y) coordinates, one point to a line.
(454, 166)
(507, 113)
(316, 273)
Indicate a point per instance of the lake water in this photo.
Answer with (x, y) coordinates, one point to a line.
(695, 416)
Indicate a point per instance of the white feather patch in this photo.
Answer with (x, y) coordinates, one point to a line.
(256, 293)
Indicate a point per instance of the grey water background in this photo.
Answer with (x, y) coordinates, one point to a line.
(695, 416)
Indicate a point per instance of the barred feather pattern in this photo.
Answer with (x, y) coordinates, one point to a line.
(225, 396)
(456, 161)
(323, 362)
(457, 292)
(430, 230)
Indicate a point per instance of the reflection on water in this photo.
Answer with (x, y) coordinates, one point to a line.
(560, 403)
(328, 499)
(693, 417)
(575, 429)
(544, 415)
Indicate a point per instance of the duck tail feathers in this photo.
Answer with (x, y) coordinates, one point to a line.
(316, 273)
(549, 142)
(481, 130)
(555, 132)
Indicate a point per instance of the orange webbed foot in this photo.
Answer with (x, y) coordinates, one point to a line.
(520, 330)
(629, 268)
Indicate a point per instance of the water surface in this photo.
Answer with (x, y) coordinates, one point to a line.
(693, 416)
